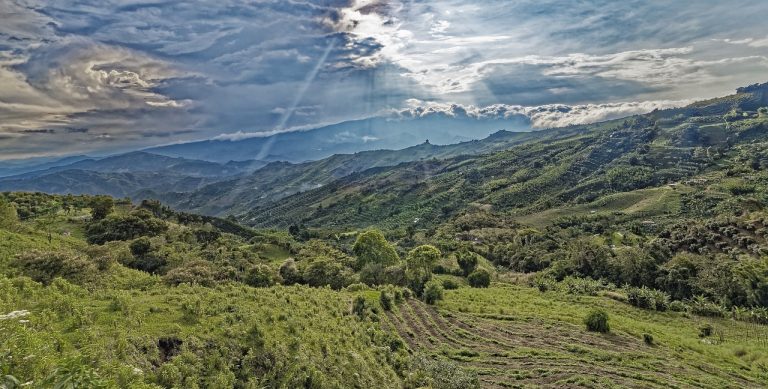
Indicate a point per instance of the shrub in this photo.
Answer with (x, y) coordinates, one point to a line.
(124, 227)
(648, 298)
(430, 373)
(325, 271)
(480, 278)
(359, 306)
(8, 215)
(450, 284)
(101, 206)
(140, 246)
(260, 276)
(196, 272)
(705, 330)
(289, 272)
(648, 339)
(372, 274)
(597, 321)
(700, 306)
(385, 300)
(467, 261)
(543, 283)
(395, 275)
(433, 292)
(45, 266)
(422, 259)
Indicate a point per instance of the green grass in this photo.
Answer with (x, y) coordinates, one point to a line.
(646, 202)
(553, 323)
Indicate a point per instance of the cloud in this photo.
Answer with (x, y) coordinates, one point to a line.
(544, 116)
(184, 70)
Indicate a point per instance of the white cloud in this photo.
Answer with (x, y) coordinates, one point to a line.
(544, 116)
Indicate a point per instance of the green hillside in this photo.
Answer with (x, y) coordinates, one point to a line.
(214, 315)
(629, 253)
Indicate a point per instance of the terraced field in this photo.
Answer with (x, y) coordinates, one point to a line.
(515, 337)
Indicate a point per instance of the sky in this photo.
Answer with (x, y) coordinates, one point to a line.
(98, 76)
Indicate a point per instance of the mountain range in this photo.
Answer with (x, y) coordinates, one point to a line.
(497, 171)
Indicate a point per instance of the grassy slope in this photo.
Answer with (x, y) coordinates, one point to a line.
(516, 336)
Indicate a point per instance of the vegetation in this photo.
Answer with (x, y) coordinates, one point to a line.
(629, 253)
(597, 321)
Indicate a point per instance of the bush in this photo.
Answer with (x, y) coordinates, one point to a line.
(260, 276)
(597, 321)
(45, 266)
(433, 292)
(705, 330)
(648, 298)
(648, 339)
(326, 272)
(385, 301)
(372, 274)
(196, 272)
(450, 284)
(430, 373)
(124, 227)
(700, 306)
(480, 278)
(8, 215)
(289, 272)
(467, 261)
(359, 306)
(140, 246)
(101, 206)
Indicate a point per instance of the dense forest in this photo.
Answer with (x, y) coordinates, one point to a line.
(628, 253)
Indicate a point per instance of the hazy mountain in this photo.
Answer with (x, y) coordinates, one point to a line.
(126, 175)
(344, 138)
(21, 166)
(281, 179)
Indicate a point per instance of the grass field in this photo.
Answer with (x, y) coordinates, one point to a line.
(659, 201)
(516, 336)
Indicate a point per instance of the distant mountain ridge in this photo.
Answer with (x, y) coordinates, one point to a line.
(348, 137)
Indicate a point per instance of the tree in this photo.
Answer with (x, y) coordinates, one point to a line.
(433, 291)
(467, 261)
(763, 112)
(372, 247)
(124, 227)
(480, 278)
(45, 266)
(419, 264)
(260, 276)
(140, 247)
(422, 258)
(589, 258)
(289, 272)
(632, 266)
(101, 206)
(8, 215)
(325, 272)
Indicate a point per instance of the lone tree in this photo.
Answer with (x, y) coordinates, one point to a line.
(419, 264)
(423, 258)
(372, 247)
(101, 206)
(467, 261)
